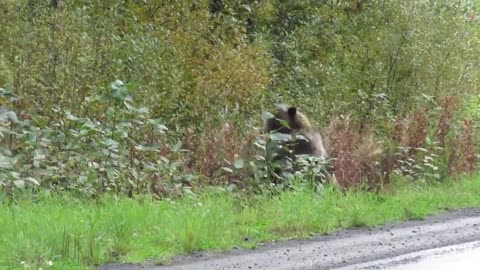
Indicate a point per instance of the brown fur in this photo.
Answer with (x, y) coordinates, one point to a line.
(298, 124)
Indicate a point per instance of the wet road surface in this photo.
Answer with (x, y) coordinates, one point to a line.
(464, 256)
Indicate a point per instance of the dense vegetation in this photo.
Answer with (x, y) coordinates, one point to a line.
(392, 84)
(161, 98)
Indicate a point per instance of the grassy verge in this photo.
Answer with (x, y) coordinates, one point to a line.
(66, 233)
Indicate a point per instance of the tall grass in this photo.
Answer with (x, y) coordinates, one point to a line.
(73, 234)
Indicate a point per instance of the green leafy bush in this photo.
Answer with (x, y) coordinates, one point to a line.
(208, 71)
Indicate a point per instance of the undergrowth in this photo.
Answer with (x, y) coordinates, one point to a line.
(393, 87)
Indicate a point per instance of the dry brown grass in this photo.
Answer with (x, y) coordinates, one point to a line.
(360, 158)
(448, 106)
(216, 148)
(462, 158)
(356, 153)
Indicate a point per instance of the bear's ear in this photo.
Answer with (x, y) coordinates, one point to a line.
(292, 111)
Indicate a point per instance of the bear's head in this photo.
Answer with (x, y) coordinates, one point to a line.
(286, 120)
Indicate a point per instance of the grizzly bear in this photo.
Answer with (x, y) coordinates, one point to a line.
(291, 121)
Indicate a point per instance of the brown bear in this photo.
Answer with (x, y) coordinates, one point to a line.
(297, 124)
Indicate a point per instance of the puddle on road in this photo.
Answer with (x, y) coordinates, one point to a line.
(465, 257)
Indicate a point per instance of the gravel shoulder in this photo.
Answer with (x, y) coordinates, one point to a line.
(341, 249)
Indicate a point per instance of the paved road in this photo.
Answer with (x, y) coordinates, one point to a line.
(377, 248)
(465, 256)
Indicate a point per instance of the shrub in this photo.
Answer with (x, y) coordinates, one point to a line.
(405, 73)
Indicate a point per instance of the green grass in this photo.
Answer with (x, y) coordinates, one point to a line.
(76, 234)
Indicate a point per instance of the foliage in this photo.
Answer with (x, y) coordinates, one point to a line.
(207, 69)
(79, 154)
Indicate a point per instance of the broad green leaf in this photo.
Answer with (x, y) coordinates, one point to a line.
(267, 115)
(19, 184)
(238, 164)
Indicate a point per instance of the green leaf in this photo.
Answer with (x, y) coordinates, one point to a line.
(267, 115)
(142, 110)
(177, 147)
(231, 187)
(32, 180)
(70, 116)
(8, 95)
(158, 124)
(116, 84)
(39, 155)
(7, 116)
(6, 162)
(238, 164)
(279, 137)
(111, 144)
(104, 98)
(19, 184)
(281, 106)
(226, 169)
